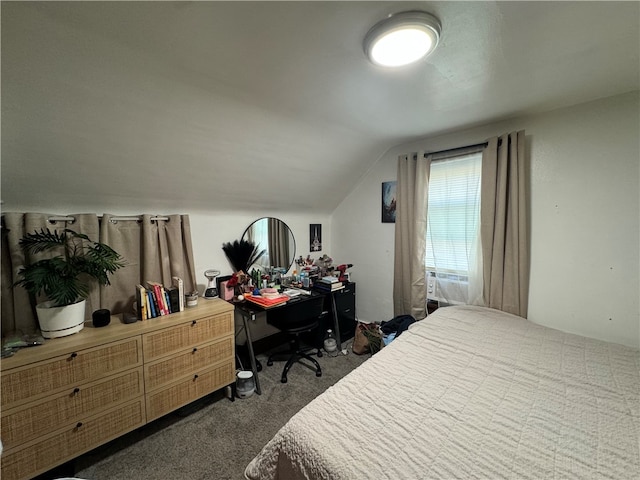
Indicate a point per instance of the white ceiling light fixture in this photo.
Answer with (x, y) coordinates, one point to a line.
(402, 38)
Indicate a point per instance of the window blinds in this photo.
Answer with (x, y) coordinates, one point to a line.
(453, 213)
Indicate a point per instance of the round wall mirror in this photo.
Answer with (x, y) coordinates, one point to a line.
(276, 238)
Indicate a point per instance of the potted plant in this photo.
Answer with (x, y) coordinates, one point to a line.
(65, 280)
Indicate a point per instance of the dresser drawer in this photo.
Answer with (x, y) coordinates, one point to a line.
(68, 443)
(171, 340)
(165, 371)
(65, 372)
(35, 419)
(163, 401)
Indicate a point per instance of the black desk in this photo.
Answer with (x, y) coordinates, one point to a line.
(249, 310)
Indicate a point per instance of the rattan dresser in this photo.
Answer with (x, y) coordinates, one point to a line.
(75, 393)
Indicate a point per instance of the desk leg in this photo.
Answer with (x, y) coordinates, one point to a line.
(252, 357)
(336, 324)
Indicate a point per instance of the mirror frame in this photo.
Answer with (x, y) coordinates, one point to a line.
(245, 236)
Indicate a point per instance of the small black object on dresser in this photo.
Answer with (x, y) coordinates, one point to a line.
(101, 318)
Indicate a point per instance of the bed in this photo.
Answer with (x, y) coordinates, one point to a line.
(470, 392)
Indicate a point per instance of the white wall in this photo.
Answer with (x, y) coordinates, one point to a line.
(584, 221)
(585, 216)
(210, 230)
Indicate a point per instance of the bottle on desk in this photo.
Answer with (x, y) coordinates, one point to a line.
(330, 344)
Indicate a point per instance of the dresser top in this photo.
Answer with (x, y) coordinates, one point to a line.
(91, 336)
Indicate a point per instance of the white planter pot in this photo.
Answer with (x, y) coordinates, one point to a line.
(60, 321)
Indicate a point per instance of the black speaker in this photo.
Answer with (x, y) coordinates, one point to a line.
(101, 318)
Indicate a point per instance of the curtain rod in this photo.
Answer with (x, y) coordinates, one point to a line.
(451, 150)
(112, 219)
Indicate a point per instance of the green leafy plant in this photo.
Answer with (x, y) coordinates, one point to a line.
(66, 279)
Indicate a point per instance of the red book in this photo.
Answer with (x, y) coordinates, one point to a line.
(158, 290)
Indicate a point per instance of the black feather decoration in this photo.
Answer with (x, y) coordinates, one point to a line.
(242, 254)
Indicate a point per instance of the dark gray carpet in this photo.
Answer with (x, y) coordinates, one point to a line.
(214, 438)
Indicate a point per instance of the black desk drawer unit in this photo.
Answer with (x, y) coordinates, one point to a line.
(346, 310)
(345, 301)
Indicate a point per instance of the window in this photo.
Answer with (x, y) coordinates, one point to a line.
(453, 220)
(259, 235)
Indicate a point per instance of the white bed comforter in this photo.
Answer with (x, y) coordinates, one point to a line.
(470, 392)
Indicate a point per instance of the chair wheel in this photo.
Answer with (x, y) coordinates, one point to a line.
(270, 363)
(258, 365)
(283, 380)
(318, 374)
(319, 353)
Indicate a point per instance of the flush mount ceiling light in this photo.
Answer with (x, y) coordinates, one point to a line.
(402, 39)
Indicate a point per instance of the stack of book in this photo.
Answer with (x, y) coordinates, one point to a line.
(328, 284)
(156, 300)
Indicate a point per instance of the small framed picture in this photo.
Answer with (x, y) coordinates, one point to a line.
(389, 202)
(315, 237)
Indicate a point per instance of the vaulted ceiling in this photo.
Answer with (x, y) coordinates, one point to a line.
(271, 105)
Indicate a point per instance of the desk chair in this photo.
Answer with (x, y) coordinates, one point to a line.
(296, 319)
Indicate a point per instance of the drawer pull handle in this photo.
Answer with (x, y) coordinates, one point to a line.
(195, 350)
(76, 391)
(193, 323)
(74, 355)
(79, 424)
(195, 377)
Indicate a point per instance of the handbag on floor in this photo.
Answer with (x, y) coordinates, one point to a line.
(368, 338)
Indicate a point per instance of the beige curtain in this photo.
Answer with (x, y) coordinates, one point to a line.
(409, 289)
(503, 226)
(153, 250)
(157, 250)
(279, 243)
